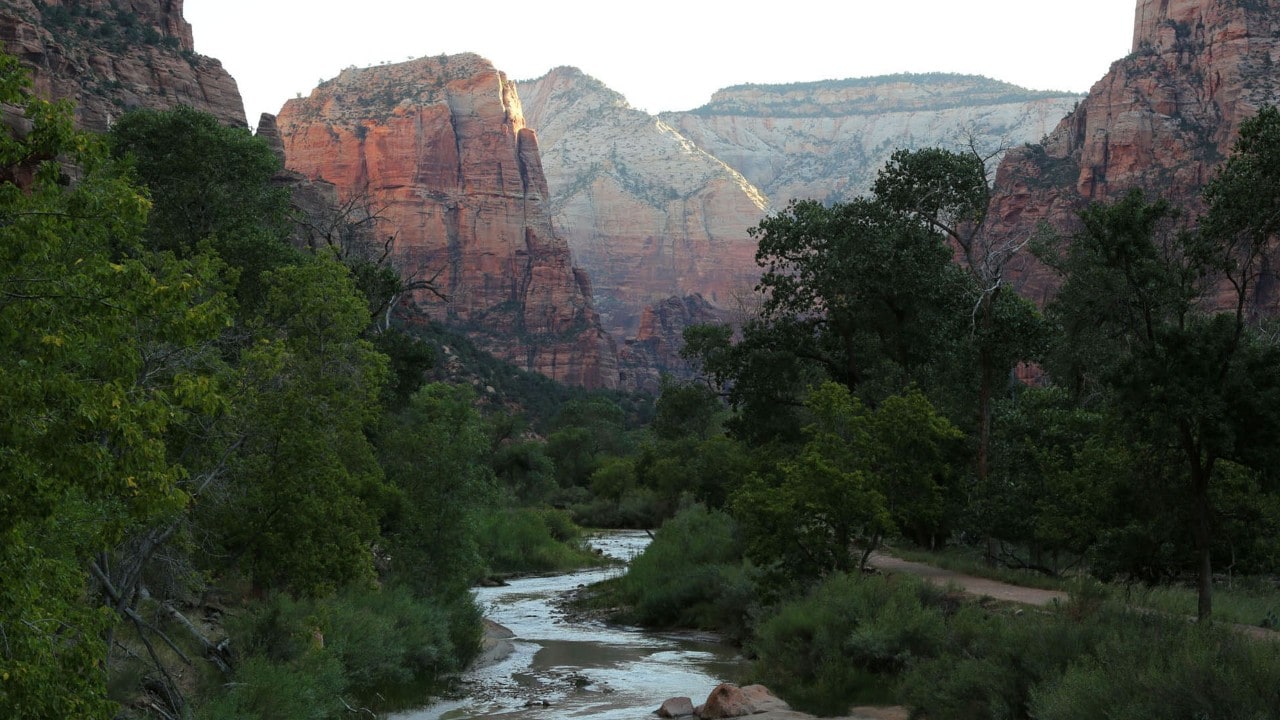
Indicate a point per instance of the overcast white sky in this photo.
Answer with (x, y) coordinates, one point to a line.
(665, 55)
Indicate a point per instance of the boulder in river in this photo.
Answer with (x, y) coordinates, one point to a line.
(676, 707)
(728, 701)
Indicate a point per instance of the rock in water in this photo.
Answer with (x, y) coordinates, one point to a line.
(676, 707)
(728, 701)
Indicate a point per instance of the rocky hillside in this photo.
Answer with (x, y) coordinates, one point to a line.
(110, 56)
(440, 145)
(826, 140)
(647, 213)
(1162, 119)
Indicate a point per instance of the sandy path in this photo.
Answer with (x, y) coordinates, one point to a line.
(980, 587)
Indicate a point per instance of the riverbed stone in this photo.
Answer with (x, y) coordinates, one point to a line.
(676, 707)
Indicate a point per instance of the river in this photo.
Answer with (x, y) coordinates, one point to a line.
(582, 668)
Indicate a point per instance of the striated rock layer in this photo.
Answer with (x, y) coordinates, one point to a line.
(1162, 120)
(827, 140)
(655, 348)
(647, 213)
(440, 145)
(110, 56)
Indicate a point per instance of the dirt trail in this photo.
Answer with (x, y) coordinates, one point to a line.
(980, 587)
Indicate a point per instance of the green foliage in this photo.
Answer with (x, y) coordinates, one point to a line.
(299, 515)
(525, 471)
(685, 410)
(843, 643)
(434, 456)
(862, 474)
(692, 575)
(211, 186)
(302, 658)
(97, 336)
(526, 540)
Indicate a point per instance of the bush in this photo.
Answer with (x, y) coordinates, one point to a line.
(638, 508)
(1172, 671)
(691, 575)
(527, 540)
(297, 657)
(846, 640)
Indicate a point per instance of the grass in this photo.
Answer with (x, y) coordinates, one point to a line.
(969, 561)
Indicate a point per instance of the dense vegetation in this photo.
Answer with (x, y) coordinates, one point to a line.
(228, 492)
(879, 395)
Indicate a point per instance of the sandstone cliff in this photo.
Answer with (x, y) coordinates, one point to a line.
(647, 214)
(440, 145)
(1162, 119)
(110, 56)
(826, 140)
(655, 348)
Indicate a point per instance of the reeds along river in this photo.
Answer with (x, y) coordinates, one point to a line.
(582, 668)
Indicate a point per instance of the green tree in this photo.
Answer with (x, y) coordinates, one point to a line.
(1145, 323)
(856, 293)
(949, 192)
(862, 474)
(299, 513)
(211, 185)
(435, 454)
(88, 318)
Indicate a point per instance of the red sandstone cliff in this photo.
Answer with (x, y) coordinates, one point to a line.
(441, 145)
(110, 56)
(1162, 119)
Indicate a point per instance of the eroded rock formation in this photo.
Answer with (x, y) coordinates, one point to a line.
(440, 146)
(110, 56)
(1162, 119)
(647, 214)
(655, 347)
(827, 140)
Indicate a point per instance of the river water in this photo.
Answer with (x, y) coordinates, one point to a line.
(582, 668)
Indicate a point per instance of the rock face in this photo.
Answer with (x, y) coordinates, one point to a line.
(110, 56)
(647, 213)
(826, 140)
(440, 146)
(1162, 119)
(655, 348)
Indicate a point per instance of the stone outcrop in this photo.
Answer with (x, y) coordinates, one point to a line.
(655, 348)
(647, 213)
(1161, 120)
(826, 140)
(440, 147)
(730, 701)
(111, 56)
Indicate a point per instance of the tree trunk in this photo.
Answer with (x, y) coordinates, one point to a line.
(1203, 536)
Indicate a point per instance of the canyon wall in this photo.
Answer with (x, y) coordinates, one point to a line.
(827, 140)
(646, 212)
(111, 56)
(440, 147)
(1161, 120)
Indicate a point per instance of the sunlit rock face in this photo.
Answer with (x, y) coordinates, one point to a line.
(827, 140)
(440, 145)
(110, 57)
(1163, 119)
(647, 213)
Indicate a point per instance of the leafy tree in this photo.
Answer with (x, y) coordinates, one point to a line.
(685, 410)
(210, 185)
(1141, 319)
(949, 192)
(857, 293)
(434, 453)
(298, 514)
(88, 317)
(862, 474)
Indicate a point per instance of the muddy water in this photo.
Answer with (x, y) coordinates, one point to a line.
(582, 669)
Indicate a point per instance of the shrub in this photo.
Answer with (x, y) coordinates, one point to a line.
(691, 575)
(526, 540)
(1173, 671)
(845, 641)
